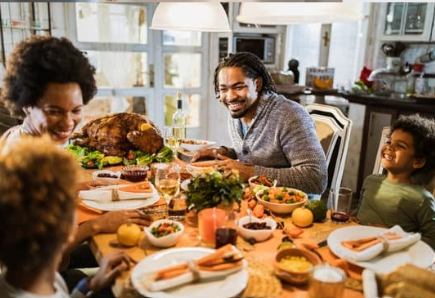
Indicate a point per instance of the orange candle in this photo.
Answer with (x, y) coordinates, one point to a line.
(208, 220)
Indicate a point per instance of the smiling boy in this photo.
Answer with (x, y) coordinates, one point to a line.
(399, 198)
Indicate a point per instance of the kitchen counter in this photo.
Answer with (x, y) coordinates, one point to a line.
(408, 104)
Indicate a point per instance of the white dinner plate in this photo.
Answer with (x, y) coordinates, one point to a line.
(228, 286)
(420, 254)
(129, 204)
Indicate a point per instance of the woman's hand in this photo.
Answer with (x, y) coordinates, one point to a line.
(86, 185)
(228, 164)
(110, 268)
(110, 221)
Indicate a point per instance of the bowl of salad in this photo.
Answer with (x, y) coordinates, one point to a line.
(164, 232)
(281, 199)
(196, 145)
(262, 180)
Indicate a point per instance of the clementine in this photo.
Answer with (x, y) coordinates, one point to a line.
(302, 217)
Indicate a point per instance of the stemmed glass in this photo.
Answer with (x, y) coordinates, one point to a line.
(171, 140)
(167, 181)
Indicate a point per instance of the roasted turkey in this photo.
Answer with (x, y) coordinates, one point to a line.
(118, 133)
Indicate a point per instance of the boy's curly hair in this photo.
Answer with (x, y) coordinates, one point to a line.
(37, 61)
(422, 131)
(37, 202)
(252, 68)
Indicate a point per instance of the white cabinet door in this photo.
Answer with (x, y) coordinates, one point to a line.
(406, 21)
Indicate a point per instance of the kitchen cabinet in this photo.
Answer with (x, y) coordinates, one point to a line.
(19, 20)
(410, 21)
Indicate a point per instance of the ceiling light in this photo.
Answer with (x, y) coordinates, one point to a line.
(192, 16)
(280, 13)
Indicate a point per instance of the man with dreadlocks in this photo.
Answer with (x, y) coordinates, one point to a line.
(271, 135)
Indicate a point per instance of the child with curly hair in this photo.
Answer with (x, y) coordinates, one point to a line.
(399, 198)
(37, 220)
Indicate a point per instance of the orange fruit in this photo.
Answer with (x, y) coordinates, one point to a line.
(128, 234)
(323, 84)
(302, 217)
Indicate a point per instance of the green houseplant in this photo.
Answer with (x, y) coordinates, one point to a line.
(215, 189)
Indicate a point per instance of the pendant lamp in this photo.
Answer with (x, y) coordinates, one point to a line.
(284, 13)
(191, 16)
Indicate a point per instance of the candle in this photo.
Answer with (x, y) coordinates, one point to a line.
(208, 220)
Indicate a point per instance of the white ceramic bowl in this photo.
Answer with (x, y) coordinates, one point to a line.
(199, 145)
(281, 207)
(165, 241)
(252, 185)
(109, 180)
(258, 235)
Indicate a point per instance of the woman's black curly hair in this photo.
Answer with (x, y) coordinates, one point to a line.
(422, 131)
(251, 66)
(37, 61)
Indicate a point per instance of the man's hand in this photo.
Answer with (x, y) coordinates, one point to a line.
(228, 164)
(211, 153)
(110, 268)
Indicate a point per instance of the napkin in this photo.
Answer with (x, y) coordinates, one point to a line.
(209, 266)
(97, 195)
(136, 191)
(367, 248)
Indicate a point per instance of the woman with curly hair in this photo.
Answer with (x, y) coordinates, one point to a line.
(47, 82)
(37, 220)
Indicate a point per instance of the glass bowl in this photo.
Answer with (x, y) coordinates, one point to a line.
(135, 173)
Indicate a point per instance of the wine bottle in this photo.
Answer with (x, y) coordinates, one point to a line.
(179, 120)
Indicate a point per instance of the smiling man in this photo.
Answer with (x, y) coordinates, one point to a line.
(271, 135)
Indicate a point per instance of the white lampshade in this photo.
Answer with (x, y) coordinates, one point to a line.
(192, 16)
(284, 13)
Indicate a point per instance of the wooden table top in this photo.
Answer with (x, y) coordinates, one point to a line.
(262, 253)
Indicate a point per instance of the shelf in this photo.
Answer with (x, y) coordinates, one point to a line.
(26, 28)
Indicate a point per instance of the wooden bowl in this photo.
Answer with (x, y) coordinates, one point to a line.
(292, 276)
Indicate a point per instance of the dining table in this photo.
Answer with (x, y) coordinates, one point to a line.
(260, 256)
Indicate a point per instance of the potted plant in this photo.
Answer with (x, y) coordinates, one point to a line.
(215, 189)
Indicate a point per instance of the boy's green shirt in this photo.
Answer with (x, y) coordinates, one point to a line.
(388, 203)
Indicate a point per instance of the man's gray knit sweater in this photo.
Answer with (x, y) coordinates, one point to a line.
(282, 144)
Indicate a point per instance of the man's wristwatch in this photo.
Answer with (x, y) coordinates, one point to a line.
(83, 287)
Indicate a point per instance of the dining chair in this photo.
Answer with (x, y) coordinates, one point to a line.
(336, 149)
(327, 132)
(377, 168)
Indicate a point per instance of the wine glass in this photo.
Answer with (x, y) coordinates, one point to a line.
(172, 141)
(167, 181)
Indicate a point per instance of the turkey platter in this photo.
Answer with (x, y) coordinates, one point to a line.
(118, 133)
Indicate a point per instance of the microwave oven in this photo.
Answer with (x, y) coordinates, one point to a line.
(262, 46)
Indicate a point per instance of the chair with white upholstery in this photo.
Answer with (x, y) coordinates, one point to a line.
(336, 152)
(378, 169)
